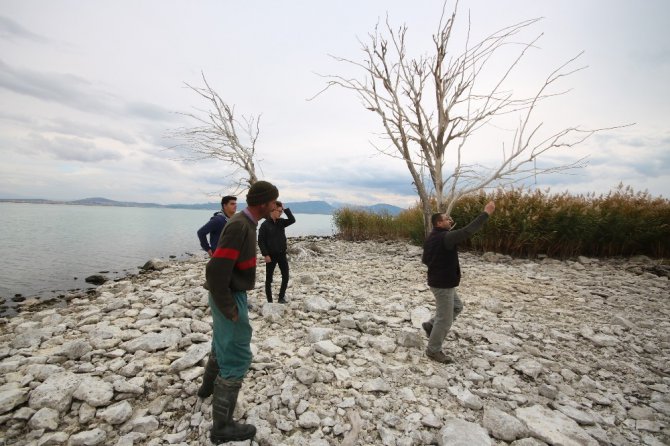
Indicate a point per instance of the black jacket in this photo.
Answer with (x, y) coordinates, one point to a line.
(440, 253)
(272, 235)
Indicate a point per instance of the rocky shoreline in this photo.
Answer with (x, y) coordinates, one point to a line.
(547, 352)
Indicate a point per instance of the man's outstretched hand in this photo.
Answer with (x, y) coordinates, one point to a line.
(490, 207)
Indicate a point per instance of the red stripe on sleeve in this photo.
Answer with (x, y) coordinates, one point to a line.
(226, 253)
(246, 264)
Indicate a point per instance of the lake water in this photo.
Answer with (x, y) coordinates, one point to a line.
(44, 247)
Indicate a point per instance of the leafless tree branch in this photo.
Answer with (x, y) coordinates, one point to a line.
(219, 134)
(430, 106)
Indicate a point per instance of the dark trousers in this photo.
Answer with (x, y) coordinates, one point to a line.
(277, 259)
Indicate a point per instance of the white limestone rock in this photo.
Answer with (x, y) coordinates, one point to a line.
(116, 413)
(529, 367)
(45, 418)
(76, 349)
(194, 354)
(466, 398)
(457, 432)
(553, 427)
(376, 385)
(317, 304)
(309, 420)
(12, 395)
(383, 344)
(94, 391)
(55, 392)
(327, 348)
(152, 342)
(316, 334)
(503, 426)
(88, 438)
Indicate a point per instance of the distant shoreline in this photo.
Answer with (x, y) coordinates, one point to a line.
(10, 307)
(303, 207)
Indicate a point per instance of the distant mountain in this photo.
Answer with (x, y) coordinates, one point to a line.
(310, 207)
(99, 201)
(375, 208)
(382, 207)
(300, 207)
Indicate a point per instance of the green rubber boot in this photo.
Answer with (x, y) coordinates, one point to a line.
(223, 405)
(211, 372)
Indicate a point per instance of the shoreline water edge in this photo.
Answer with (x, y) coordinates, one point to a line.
(546, 352)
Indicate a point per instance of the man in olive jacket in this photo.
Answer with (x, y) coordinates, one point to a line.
(230, 273)
(440, 254)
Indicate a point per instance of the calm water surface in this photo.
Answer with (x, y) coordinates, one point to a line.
(44, 247)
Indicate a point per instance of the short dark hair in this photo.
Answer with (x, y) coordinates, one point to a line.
(226, 199)
(278, 204)
(435, 218)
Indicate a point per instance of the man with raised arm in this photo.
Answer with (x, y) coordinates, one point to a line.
(440, 254)
(272, 242)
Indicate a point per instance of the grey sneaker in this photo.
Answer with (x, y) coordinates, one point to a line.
(427, 327)
(439, 357)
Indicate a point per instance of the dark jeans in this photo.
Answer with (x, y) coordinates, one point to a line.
(277, 259)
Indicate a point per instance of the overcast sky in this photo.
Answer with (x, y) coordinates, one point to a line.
(89, 91)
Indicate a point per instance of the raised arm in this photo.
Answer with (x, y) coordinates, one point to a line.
(290, 220)
(457, 236)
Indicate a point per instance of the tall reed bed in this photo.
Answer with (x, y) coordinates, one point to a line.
(356, 224)
(620, 223)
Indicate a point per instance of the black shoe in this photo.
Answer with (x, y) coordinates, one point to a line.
(282, 300)
(224, 429)
(428, 328)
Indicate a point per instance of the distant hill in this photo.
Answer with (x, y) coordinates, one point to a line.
(299, 207)
(98, 201)
(376, 208)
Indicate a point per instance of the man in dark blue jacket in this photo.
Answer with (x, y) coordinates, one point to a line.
(272, 242)
(215, 224)
(440, 254)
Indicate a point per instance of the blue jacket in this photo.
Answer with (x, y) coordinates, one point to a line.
(213, 227)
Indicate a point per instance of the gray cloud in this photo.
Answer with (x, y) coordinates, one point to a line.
(9, 29)
(66, 89)
(71, 149)
(149, 111)
(76, 92)
(647, 156)
(85, 130)
(656, 58)
(352, 177)
(15, 117)
(70, 128)
(656, 165)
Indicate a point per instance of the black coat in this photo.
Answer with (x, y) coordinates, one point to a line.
(440, 253)
(272, 234)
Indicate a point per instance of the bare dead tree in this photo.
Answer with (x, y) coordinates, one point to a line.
(220, 135)
(430, 106)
